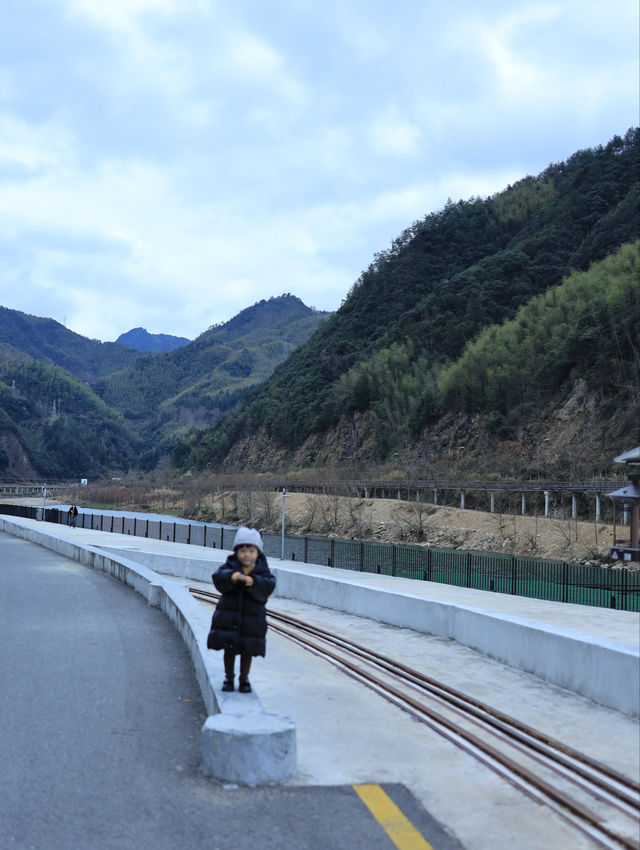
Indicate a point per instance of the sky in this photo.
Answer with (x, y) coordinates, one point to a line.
(167, 163)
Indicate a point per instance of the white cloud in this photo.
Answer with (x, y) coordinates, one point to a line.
(48, 146)
(166, 163)
(517, 77)
(393, 134)
(122, 15)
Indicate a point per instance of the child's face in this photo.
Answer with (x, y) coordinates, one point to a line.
(247, 555)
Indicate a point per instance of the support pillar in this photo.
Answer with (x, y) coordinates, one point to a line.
(547, 496)
(524, 504)
(435, 497)
(597, 508)
(493, 503)
(574, 506)
(462, 499)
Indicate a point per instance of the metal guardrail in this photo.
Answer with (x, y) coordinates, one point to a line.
(434, 491)
(373, 486)
(594, 485)
(528, 577)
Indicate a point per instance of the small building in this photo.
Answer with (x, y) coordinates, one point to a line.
(627, 499)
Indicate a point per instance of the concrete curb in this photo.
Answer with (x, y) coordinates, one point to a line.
(241, 742)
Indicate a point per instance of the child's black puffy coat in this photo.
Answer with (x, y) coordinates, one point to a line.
(240, 619)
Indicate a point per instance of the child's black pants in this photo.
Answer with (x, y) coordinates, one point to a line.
(229, 663)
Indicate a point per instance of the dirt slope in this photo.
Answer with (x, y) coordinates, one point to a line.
(448, 527)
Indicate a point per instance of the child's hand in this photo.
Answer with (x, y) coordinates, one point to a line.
(248, 581)
(236, 577)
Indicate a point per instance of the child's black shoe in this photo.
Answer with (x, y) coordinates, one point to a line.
(227, 685)
(245, 687)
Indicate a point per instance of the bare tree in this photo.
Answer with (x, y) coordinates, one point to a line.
(245, 505)
(329, 506)
(359, 521)
(413, 524)
(266, 509)
(311, 509)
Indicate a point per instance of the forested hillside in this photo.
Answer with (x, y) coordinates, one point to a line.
(52, 343)
(54, 426)
(393, 357)
(587, 327)
(197, 382)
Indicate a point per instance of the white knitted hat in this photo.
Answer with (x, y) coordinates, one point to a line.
(248, 537)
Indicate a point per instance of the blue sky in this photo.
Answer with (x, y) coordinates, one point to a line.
(166, 163)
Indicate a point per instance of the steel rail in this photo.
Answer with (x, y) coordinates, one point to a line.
(506, 724)
(471, 484)
(525, 780)
(559, 757)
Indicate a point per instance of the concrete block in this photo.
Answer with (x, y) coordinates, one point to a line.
(154, 595)
(249, 749)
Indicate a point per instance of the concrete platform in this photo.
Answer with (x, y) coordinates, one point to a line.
(345, 734)
(592, 651)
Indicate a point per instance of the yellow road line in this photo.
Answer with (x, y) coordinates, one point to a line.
(400, 830)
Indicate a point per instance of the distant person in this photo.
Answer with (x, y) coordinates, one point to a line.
(72, 516)
(239, 623)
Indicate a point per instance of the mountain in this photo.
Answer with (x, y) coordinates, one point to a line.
(50, 342)
(141, 340)
(53, 426)
(369, 383)
(161, 393)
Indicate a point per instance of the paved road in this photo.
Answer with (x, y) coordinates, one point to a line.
(100, 718)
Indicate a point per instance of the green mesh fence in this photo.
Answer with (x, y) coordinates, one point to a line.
(531, 577)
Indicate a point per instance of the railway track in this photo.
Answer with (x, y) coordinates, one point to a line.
(597, 800)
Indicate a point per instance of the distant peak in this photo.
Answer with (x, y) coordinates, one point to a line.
(141, 340)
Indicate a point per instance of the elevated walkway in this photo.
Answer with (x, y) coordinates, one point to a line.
(345, 734)
(594, 652)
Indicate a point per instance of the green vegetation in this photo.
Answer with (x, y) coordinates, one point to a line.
(60, 428)
(444, 280)
(50, 342)
(63, 428)
(585, 328)
(210, 375)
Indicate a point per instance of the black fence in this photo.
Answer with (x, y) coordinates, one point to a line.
(559, 581)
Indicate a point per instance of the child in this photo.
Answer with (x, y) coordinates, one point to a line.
(239, 623)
